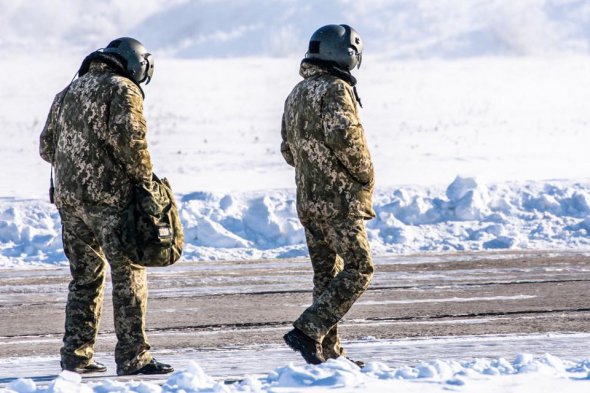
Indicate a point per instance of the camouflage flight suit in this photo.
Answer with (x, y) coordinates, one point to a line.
(325, 142)
(98, 146)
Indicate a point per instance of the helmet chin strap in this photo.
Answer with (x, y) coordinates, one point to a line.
(145, 77)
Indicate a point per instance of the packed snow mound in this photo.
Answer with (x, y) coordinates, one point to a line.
(213, 28)
(28, 232)
(343, 375)
(468, 215)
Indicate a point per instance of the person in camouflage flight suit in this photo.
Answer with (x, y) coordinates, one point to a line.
(322, 137)
(95, 136)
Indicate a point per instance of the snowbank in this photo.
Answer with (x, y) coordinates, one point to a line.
(524, 374)
(468, 215)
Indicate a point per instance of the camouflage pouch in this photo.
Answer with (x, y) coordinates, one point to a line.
(152, 232)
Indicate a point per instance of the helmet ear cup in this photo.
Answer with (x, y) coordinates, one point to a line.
(340, 44)
(138, 62)
(149, 71)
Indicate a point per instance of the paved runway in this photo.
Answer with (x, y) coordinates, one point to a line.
(230, 316)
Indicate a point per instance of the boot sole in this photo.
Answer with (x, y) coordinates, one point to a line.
(85, 370)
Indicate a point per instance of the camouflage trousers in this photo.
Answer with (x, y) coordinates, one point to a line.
(343, 268)
(90, 240)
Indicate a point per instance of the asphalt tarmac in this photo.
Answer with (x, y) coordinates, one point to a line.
(216, 306)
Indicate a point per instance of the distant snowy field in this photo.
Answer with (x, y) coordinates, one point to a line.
(514, 129)
(476, 112)
(476, 115)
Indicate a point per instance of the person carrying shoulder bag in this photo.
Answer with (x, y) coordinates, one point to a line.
(95, 137)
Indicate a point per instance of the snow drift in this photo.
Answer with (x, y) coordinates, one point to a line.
(468, 215)
(538, 374)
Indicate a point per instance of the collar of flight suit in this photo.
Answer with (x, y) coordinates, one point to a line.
(312, 67)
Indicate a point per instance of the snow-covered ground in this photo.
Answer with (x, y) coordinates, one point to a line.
(526, 373)
(476, 114)
(441, 364)
(466, 216)
(513, 129)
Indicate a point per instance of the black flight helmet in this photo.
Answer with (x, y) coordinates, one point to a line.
(338, 43)
(138, 62)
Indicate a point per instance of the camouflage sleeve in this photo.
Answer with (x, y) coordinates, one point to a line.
(285, 148)
(46, 140)
(345, 134)
(127, 132)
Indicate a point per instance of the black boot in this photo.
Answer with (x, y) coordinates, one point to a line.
(310, 349)
(92, 367)
(359, 363)
(153, 367)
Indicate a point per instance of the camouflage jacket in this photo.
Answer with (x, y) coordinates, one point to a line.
(325, 142)
(97, 142)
